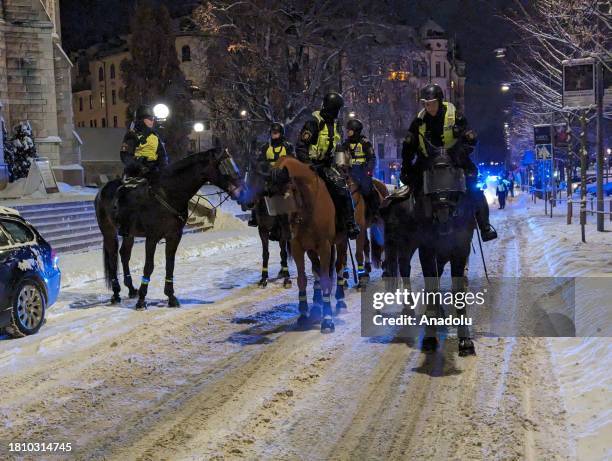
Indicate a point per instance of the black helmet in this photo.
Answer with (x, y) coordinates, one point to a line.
(276, 126)
(143, 112)
(332, 103)
(432, 92)
(355, 125)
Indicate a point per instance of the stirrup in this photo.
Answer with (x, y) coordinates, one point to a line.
(489, 234)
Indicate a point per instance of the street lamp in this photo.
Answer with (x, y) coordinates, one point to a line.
(500, 53)
(161, 112)
(505, 87)
(198, 127)
(243, 113)
(351, 114)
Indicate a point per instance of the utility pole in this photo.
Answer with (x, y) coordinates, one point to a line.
(600, 149)
(583, 172)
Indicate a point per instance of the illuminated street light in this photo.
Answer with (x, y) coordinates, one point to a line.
(198, 127)
(243, 113)
(500, 53)
(351, 114)
(505, 87)
(161, 111)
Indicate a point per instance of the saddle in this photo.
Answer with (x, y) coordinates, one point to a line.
(397, 195)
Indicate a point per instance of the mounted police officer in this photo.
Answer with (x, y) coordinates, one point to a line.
(439, 124)
(144, 156)
(142, 152)
(362, 162)
(270, 152)
(317, 144)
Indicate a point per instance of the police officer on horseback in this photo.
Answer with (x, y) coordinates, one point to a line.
(362, 162)
(142, 152)
(316, 145)
(269, 153)
(439, 125)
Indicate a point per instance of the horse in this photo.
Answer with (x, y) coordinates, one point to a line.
(160, 213)
(265, 225)
(313, 232)
(366, 220)
(440, 223)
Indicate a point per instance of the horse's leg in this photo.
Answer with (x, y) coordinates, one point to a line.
(126, 253)
(325, 255)
(366, 251)
(429, 267)
(317, 297)
(341, 250)
(298, 256)
(359, 251)
(110, 248)
(172, 244)
(150, 246)
(265, 252)
(284, 272)
(459, 284)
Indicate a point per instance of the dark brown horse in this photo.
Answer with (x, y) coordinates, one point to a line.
(158, 214)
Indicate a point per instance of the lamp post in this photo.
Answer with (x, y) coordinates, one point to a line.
(198, 127)
(161, 112)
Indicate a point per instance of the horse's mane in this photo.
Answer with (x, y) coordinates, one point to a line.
(295, 167)
(188, 161)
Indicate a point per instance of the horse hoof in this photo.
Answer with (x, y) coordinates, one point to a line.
(327, 325)
(302, 322)
(141, 305)
(315, 314)
(263, 283)
(466, 347)
(429, 344)
(133, 293)
(287, 283)
(340, 305)
(115, 299)
(173, 302)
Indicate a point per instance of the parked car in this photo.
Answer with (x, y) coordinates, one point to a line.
(29, 275)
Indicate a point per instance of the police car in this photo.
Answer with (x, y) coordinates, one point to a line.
(29, 275)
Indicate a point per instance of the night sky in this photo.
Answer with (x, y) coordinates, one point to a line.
(474, 24)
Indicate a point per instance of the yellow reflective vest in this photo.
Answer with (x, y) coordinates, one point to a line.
(448, 139)
(317, 151)
(358, 154)
(274, 153)
(147, 147)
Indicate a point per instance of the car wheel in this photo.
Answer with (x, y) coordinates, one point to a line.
(28, 312)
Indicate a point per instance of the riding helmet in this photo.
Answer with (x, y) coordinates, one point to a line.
(279, 127)
(332, 103)
(144, 111)
(431, 92)
(355, 125)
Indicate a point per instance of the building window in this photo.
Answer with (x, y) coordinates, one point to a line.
(444, 75)
(80, 104)
(91, 123)
(186, 53)
(115, 121)
(114, 97)
(381, 150)
(102, 99)
(438, 70)
(101, 74)
(95, 123)
(90, 101)
(112, 72)
(103, 122)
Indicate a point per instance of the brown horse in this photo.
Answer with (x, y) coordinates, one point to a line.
(313, 232)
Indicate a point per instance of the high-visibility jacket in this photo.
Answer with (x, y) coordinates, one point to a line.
(326, 141)
(448, 138)
(147, 147)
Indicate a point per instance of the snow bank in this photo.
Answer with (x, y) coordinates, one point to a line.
(583, 364)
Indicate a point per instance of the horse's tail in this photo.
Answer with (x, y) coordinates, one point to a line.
(377, 242)
(108, 280)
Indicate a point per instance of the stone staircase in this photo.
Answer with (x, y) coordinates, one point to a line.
(70, 226)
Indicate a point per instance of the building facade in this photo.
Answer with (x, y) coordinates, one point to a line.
(35, 81)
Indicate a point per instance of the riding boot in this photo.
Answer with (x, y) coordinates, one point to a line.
(348, 215)
(487, 231)
(253, 219)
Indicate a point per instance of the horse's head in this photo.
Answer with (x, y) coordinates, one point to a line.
(264, 178)
(223, 172)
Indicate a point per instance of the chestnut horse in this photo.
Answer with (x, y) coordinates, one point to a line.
(313, 232)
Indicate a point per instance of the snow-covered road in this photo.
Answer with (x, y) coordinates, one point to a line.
(227, 376)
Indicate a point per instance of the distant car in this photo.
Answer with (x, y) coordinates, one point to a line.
(29, 275)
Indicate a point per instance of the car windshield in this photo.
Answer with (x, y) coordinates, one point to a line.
(3, 239)
(18, 232)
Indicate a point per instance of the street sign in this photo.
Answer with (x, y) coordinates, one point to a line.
(542, 134)
(579, 83)
(544, 151)
(561, 136)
